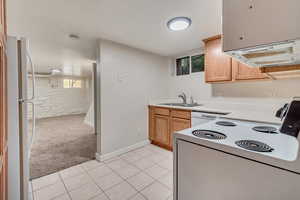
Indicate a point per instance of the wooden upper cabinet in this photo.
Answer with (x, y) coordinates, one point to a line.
(244, 72)
(217, 64)
(162, 129)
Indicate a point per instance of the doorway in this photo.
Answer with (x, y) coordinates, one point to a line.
(64, 112)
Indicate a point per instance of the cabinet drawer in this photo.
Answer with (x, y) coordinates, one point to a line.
(181, 114)
(162, 111)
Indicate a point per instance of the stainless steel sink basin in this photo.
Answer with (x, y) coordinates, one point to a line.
(181, 104)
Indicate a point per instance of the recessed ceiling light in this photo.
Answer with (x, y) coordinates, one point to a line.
(179, 23)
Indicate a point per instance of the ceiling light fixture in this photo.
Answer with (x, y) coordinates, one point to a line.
(179, 23)
(55, 71)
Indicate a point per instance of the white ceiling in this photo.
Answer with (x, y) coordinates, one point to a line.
(137, 23)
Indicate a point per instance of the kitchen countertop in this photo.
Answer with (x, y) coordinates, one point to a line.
(232, 112)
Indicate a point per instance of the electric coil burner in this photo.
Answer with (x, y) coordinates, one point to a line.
(265, 129)
(225, 123)
(254, 145)
(207, 134)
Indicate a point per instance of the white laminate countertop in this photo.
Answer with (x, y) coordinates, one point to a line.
(232, 111)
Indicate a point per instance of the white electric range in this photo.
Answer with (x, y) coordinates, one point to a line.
(231, 159)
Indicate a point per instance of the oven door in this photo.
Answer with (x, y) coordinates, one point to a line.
(209, 174)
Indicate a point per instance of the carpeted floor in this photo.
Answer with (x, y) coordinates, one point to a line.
(61, 142)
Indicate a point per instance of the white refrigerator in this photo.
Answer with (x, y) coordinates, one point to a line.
(21, 122)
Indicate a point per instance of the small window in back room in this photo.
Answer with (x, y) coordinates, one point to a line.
(197, 63)
(183, 66)
(76, 83)
(70, 83)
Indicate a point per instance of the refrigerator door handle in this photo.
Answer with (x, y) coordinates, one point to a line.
(33, 125)
(32, 98)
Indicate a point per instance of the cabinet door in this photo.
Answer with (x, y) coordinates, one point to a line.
(217, 64)
(244, 72)
(162, 129)
(178, 125)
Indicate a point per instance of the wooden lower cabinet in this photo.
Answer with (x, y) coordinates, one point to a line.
(162, 129)
(178, 125)
(163, 122)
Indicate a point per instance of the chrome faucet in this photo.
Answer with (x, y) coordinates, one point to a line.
(183, 97)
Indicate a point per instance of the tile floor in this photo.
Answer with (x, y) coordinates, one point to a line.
(143, 174)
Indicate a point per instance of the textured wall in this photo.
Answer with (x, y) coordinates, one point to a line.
(54, 100)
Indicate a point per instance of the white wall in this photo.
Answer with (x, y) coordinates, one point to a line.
(129, 79)
(57, 101)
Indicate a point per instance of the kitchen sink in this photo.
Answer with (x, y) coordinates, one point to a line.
(181, 104)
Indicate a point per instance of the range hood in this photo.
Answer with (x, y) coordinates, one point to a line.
(262, 33)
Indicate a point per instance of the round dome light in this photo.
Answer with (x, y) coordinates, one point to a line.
(179, 23)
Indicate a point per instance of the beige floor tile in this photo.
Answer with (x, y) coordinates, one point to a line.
(167, 180)
(122, 191)
(117, 164)
(112, 159)
(100, 197)
(99, 171)
(168, 164)
(156, 191)
(45, 181)
(140, 181)
(91, 165)
(63, 197)
(144, 163)
(128, 171)
(72, 171)
(157, 158)
(138, 197)
(85, 192)
(131, 157)
(166, 153)
(144, 152)
(75, 182)
(50, 192)
(107, 181)
(156, 171)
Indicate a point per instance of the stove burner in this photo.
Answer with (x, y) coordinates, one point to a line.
(254, 145)
(213, 135)
(225, 123)
(265, 129)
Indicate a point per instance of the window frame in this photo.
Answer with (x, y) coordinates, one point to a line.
(201, 54)
(189, 65)
(190, 58)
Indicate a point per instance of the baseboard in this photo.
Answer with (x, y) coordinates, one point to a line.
(107, 156)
